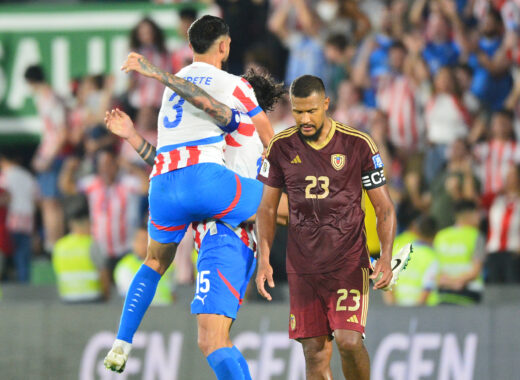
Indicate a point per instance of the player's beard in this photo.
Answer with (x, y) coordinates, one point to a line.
(313, 137)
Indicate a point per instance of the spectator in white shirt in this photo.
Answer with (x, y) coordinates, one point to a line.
(22, 189)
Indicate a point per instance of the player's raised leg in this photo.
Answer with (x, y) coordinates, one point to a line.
(317, 352)
(354, 356)
(225, 265)
(140, 295)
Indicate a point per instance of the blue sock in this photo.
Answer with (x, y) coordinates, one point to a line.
(243, 363)
(140, 295)
(224, 364)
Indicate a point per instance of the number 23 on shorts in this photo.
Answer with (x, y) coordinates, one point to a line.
(343, 294)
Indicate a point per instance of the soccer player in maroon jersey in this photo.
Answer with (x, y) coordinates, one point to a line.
(324, 166)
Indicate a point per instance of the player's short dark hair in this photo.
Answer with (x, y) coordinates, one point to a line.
(339, 41)
(35, 74)
(306, 85)
(266, 89)
(205, 31)
(188, 13)
(427, 226)
(464, 206)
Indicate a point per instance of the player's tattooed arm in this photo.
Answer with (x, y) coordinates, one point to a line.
(147, 152)
(120, 124)
(191, 93)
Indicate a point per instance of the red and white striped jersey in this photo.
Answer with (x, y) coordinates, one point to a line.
(147, 91)
(447, 119)
(53, 113)
(243, 152)
(504, 225)
(495, 157)
(359, 116)
(244, 231)
(396, 96)
(188, 135)
(114, 211)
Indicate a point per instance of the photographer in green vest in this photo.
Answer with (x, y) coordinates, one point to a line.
(417, 283)
(78, 261)
(128, 266)
(461, 250)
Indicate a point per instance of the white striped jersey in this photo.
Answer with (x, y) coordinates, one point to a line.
(397, 97)
(114, 211)
(504, 225)
(495, 157)
(188, 135)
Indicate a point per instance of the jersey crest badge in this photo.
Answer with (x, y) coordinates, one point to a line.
(338, 161)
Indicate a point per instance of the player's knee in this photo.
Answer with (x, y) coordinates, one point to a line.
(317, 353)
(348, 341)
(209, 343)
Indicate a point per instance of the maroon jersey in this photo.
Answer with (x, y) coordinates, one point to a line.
(324, 186)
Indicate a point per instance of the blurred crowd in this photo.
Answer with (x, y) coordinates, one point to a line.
(436, 83)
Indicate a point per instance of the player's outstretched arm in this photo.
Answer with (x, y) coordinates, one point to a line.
(193, 94)
(120, 124)
(386, 225)
(266, 227)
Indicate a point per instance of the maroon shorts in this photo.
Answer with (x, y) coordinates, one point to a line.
(322, 303)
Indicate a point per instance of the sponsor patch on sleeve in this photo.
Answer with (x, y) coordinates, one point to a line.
(264, 171)
(378, 162)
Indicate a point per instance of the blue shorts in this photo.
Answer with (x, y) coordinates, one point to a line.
(198, 192)
(225, 266)
(48, 180)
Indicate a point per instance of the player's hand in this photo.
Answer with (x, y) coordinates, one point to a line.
(382, 267)
(264, 273)
(119, 123)
(138, 63)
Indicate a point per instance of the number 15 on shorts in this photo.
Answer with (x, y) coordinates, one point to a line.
(203, 284)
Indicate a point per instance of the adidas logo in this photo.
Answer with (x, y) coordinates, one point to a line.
(296, 160)
(353, 319)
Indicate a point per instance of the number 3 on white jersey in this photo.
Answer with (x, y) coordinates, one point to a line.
(173, 114)
(202, 283)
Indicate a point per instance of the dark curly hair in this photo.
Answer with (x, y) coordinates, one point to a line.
(266, 89)
(158, 35)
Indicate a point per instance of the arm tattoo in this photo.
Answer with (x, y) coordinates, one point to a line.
(191, 93)
(147, 152)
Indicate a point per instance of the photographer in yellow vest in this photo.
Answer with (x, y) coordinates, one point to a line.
(461, 251)
(417, 283)
(78, 261)
(128, 266)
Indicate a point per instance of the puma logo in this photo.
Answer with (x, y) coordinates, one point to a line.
(201, 298)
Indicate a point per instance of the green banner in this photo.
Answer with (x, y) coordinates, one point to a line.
(69, 41)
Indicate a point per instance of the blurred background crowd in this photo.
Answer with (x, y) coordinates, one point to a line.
(436, 83)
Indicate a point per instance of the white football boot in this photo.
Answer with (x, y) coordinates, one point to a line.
(399, 262)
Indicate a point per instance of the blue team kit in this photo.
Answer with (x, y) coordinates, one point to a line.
(199, 192)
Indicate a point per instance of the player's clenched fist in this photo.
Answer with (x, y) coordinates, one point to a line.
(264, 273)
(138, 63)
(119, 123)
